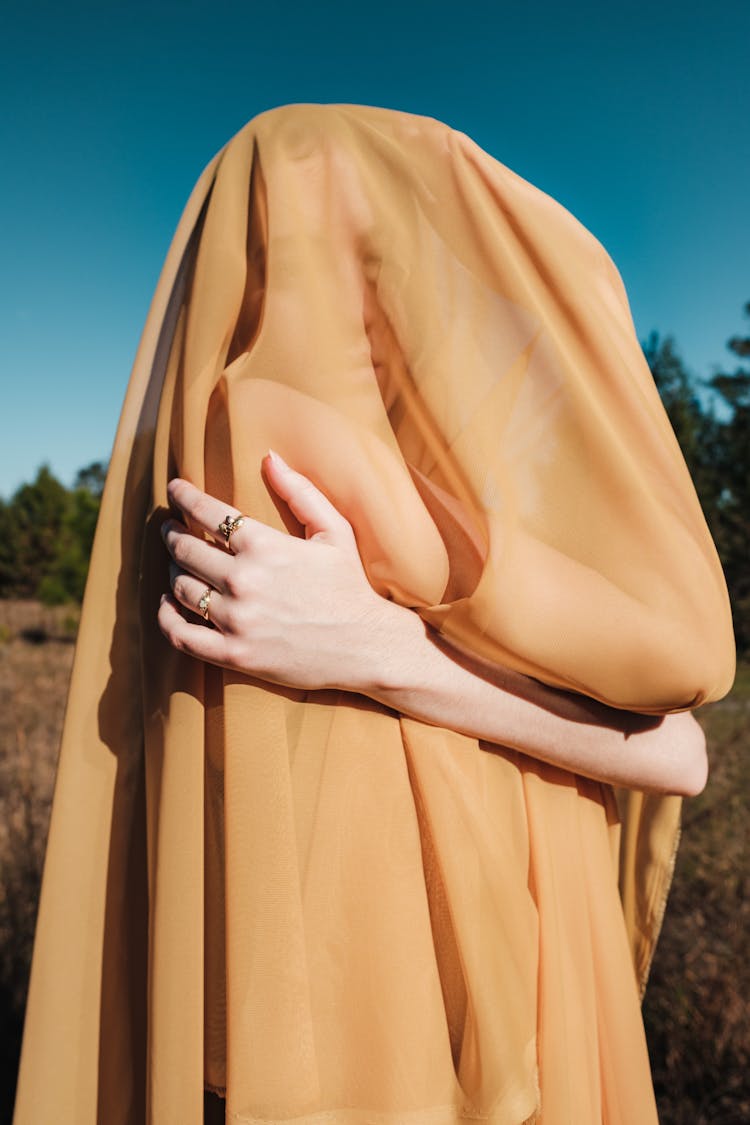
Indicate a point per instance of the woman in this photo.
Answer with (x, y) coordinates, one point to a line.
(373, 816)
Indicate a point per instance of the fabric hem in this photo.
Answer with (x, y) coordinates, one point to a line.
(658, 916)
(447, 1114)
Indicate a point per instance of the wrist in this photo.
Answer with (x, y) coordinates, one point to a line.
(387, 659)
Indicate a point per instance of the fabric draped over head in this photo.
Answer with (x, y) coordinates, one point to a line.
(304, 899)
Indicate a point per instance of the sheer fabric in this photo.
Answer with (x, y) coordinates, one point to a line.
(322, 909)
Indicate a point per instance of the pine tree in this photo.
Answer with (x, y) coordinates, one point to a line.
(46, 534)
(696, 427)
(733, 464)
(30, 530)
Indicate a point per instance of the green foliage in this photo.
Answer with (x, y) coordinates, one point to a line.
(679, 397)
(92, 478)
(46, 534)
(732, 454)
(717, 453)
(69, 626)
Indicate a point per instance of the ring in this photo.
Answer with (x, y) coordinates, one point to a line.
(229, 525)
(203, 603)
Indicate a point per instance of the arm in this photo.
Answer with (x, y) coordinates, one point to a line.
(669, 649)
(302, 612)
(408, 666)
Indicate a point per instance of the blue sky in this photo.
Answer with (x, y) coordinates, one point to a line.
(633, 116)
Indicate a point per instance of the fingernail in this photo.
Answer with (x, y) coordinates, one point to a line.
(277, 458)
(172, 485)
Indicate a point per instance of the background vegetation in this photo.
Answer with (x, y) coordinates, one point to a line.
(711, 418)
(695, 1008)
(46, 532)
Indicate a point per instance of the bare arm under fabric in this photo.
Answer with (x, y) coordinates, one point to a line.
(412, 668)
(302, 612)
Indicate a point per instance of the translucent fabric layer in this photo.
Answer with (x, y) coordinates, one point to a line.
(320, 908)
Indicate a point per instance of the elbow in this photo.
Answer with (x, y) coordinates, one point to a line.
(692, 783)
(697, 778)
(705, 664)
(693, 759)
(690, 675)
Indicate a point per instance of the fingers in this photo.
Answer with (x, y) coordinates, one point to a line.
(196, 595)
(210, 513)
(312, 507)
(202, 559)
(193, 640)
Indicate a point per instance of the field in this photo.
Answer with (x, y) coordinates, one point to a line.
(696, 1006)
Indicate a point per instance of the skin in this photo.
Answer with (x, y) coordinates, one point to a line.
(301, 612)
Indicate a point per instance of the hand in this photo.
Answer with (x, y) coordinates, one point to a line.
(299, 612)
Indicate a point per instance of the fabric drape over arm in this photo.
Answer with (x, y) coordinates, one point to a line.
(323, 909)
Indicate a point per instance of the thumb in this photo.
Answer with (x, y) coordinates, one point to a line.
(312, 507)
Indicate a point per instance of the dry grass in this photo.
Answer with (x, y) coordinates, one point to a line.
(36, 653)
(696, 1005)
(695, 1009)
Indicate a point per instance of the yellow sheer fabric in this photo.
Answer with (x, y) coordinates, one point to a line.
(323, 909)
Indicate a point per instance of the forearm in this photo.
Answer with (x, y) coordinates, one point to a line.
(406, 665)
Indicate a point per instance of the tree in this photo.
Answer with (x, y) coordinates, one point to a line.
(66, 577)
(46, 534)
(733, 464)
(30, 530)
(696, 428)
(92, 478)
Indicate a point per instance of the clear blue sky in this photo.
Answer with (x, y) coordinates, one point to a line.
(633, 115)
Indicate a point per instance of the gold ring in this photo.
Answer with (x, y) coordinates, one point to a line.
(203, 603)
(230, 524)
